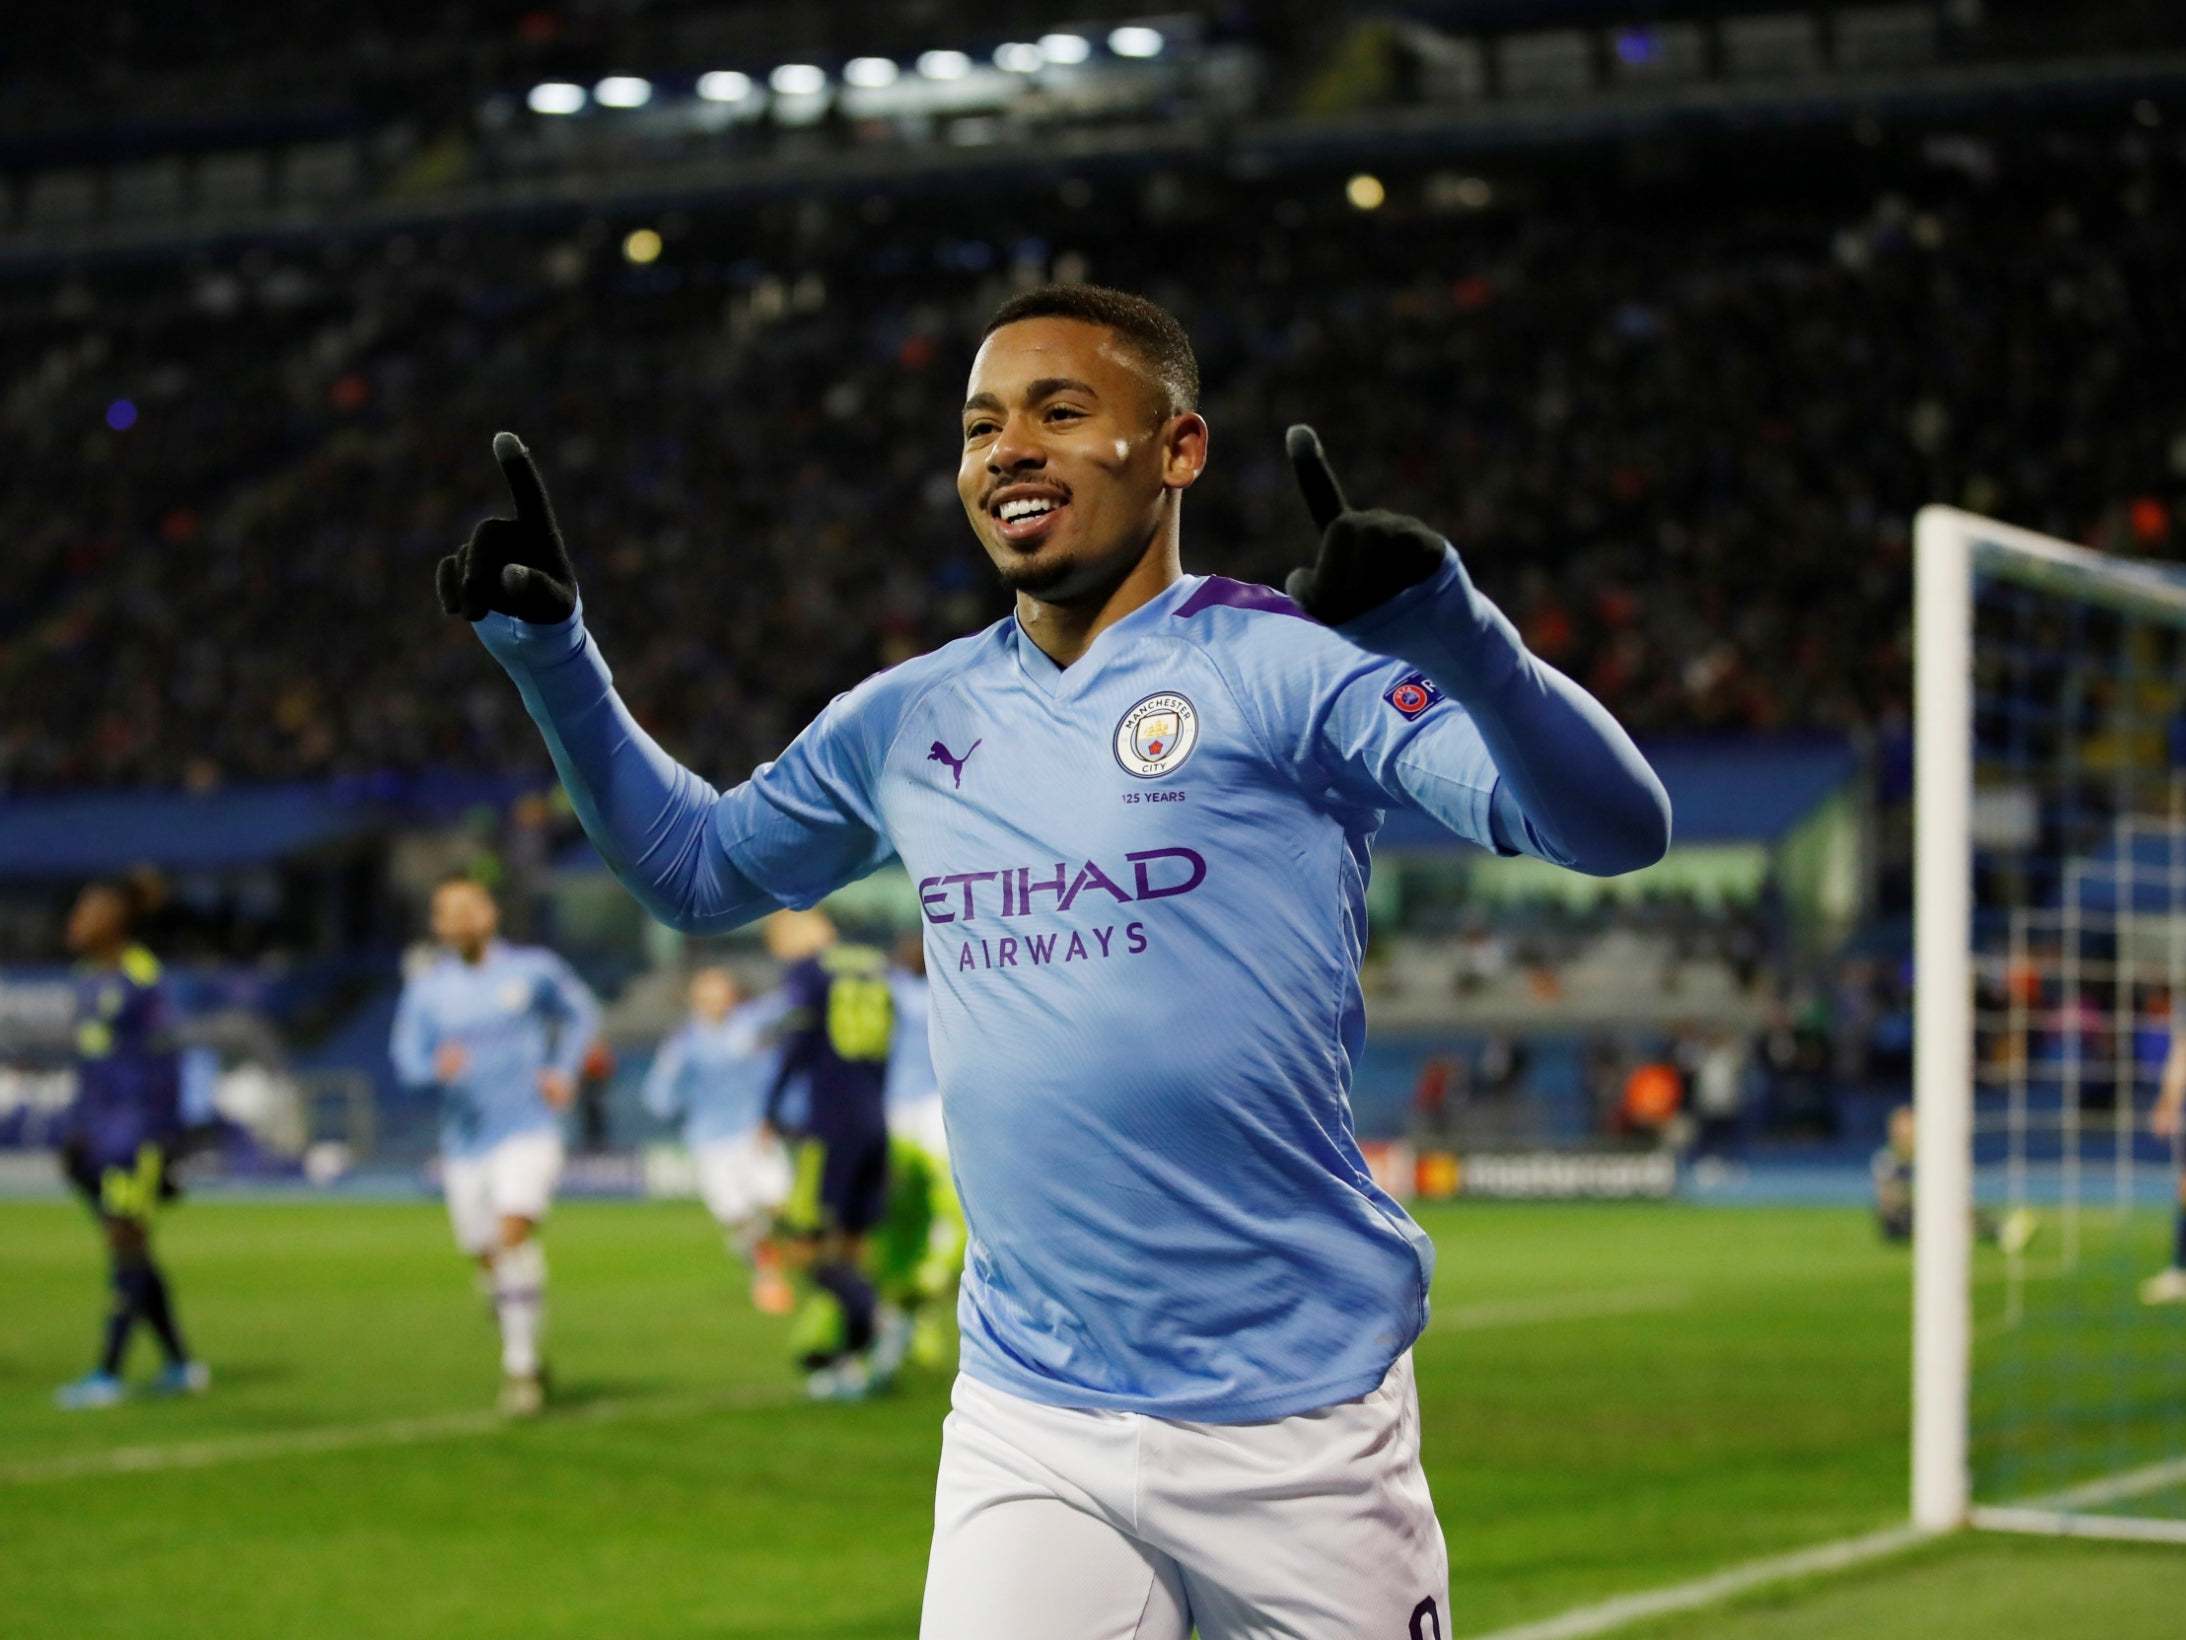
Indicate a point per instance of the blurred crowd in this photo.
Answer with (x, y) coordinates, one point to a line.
(1678, 410)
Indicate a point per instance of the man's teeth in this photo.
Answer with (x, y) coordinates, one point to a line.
(1029, 507)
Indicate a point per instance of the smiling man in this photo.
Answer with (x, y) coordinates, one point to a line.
(1186, 1390)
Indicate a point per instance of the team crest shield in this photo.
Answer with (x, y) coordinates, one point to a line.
(1157, 735)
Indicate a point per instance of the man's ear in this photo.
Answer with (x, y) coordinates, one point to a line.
(1183, 450)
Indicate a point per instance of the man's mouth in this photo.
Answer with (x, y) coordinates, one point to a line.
(1026, 518)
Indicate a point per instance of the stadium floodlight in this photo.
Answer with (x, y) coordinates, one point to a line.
(724, 85)
(1365, 191)
(869, 73)
(641, 245)
(623, 91)
(1136, 40)
(2049, 908)
(798, 80)
(556, 97)
(944, 65)
(1018, 57)
(1065, 49)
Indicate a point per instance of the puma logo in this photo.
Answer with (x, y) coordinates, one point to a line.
(942, 754)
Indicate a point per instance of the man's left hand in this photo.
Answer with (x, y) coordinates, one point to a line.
(1366, 558)
(557, 1088)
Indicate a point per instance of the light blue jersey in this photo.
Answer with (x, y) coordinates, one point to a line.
(715, 1077)
(517, 1011)
(1143, 883)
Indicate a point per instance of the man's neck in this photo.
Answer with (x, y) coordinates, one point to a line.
(1065, 631)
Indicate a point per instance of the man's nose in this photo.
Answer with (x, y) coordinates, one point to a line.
(1014, 449)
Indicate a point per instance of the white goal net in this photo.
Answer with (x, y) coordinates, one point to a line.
(2050, 736)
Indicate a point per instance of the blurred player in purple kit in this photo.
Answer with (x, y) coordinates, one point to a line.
(830, 1097)
(120, 1134)
(2166, 1121)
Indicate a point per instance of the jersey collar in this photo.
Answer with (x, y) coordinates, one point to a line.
(1067, 682)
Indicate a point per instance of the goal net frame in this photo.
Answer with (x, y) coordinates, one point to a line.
(1952, 550)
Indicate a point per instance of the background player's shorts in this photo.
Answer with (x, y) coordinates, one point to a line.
(742, 1178)
(1096, 1525)
(838, 1184)
(120, 1183)
(515, 1178)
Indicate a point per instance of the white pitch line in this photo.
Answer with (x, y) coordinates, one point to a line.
(2048, 1523)
(1529, 1312)
(2063, 1514)
(2131, 1483)
(446, 1426)
(1582, 1622)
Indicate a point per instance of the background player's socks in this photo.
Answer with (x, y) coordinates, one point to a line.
(855, 1294)
(519, 1295)
(157, 1308)
(121, 1319)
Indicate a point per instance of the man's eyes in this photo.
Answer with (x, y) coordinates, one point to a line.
(1055, 413)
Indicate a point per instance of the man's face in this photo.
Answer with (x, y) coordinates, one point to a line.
(464, 917)
(96, 920)
(1067, 456)
(713, 994)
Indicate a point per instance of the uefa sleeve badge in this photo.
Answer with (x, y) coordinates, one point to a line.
(1413, 695)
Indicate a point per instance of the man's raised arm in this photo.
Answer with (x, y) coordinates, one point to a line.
(1570, 785)
(652, 820)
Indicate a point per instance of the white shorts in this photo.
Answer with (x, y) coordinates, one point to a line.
(1117, 1526)
(739, 1179)
(516, 1178)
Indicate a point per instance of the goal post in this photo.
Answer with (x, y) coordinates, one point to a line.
(1942, 1015)
(2050, 964)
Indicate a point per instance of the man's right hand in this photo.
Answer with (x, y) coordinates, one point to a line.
(518, 565)
(450, 1062)
(2163, 1121)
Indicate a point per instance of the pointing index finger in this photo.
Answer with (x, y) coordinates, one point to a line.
(522, 478)
(1316, 480)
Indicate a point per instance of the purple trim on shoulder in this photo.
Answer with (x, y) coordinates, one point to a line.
(1229, 594)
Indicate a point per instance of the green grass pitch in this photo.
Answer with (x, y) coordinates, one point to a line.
(1615, 1398)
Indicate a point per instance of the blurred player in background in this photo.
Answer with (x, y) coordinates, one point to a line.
(916, 1258)
(1139, 811)
(914, 1091)
(1891, 1170)
(121, 1133)
(714, 1074)
(917, 1254)
(2168, 1285)
(500, 1030)
(837, 1021)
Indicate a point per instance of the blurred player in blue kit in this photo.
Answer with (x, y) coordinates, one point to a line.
(714, 1074)
(1139, 813)
(500, 1030)
(121, 1132)
(836, 1028)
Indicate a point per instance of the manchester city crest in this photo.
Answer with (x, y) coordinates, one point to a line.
(1157, 735)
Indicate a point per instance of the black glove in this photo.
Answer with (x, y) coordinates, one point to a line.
(516, 565)
(1366, 558)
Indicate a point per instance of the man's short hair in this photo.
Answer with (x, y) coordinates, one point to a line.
(1150, 329)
